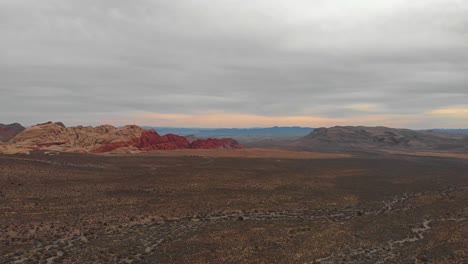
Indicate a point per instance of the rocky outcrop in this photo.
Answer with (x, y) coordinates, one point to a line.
(52, 136)
(103, 139)
(148, 141)
(151, 140)
(214, 143)
(7, 132)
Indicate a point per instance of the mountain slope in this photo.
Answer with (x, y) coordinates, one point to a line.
(8, 132)
(362, 138)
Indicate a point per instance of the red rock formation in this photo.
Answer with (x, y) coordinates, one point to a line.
(171, 142)
(147, 138)
(151, 140)
(102, 139)
(214, 143)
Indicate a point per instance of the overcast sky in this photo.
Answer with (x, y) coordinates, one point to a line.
(233, 63)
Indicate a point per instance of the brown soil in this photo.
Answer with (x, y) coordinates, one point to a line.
(244, 153)
(215, 207)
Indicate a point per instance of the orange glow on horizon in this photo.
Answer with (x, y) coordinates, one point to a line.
(239, 120)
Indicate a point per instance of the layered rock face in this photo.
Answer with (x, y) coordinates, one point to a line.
(57, 137)
(148, 140)
(214, 143)
(151, 140)
(103, 139)
(8, 132)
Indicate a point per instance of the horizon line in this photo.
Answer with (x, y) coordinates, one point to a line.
(246, 127)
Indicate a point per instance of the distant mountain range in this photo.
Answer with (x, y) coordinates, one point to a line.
(371, 138)
(56, 136)
(249, 135)
(243, 134)
(349, 137)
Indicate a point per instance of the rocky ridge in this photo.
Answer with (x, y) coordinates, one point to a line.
(102, 139)
(363, 138)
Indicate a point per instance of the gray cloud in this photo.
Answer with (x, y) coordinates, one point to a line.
(84, 61)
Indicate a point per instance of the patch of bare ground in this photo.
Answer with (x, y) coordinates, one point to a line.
(245, 153)
(80, 208)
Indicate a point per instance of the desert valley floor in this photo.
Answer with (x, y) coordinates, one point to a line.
(214, 207)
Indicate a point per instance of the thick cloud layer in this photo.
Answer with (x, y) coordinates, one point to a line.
(235, 63)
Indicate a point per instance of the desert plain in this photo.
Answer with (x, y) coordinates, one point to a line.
(233, 206)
